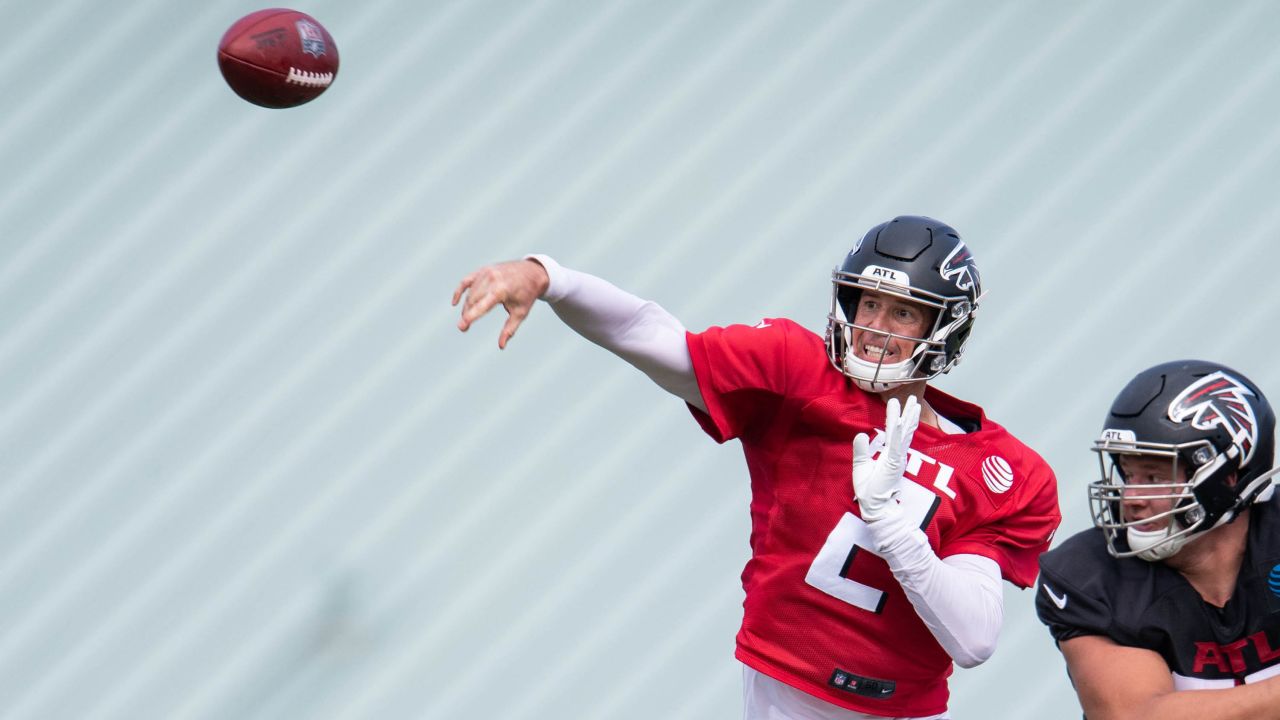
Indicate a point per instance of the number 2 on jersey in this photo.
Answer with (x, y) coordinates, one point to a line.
(826, 573)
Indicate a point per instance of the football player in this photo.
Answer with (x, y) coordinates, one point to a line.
(1178, 585)
(947, 503)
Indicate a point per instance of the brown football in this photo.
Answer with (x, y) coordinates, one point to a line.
(278, 58)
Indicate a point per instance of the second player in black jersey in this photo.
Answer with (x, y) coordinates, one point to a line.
(1084, 591)
(1177, 587)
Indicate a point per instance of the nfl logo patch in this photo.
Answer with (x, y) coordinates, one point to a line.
(311, 37)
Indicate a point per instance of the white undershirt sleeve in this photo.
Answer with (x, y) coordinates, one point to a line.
(958, 598)
(636, 330)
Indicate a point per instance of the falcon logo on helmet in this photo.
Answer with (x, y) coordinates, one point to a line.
(960, 269)
(1219, 400)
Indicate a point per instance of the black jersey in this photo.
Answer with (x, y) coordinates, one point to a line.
(1085, 591)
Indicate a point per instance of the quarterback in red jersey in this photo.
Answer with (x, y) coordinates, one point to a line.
(944, 501)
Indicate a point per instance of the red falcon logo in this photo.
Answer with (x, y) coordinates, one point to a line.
(960, 269)
(1219, 400)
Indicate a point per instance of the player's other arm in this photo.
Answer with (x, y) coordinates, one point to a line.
(1116, 682)
(636, 330)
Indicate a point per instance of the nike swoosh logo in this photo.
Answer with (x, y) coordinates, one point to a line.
(762, 325)
(1061, 602)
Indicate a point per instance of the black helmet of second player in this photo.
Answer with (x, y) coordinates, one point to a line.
(919, 259)
(1215, 430)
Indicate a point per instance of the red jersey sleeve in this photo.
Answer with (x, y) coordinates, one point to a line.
(1020, 530)
(742, 375)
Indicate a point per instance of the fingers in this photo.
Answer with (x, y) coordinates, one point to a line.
(911, 417)
(861, 459)
(467, 287)
(509, 327)
(475, 307)
(462, 287)
(900, 421)
(893, 450)
(861, 448)
(479, 292)
(512, 284)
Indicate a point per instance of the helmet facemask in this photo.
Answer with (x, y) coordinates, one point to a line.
(1197, 492)
(931, 355)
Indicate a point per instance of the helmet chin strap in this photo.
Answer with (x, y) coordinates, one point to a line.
(876, 377)
(1157, 545)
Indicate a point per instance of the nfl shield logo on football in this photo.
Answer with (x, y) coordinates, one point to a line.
(311, 37)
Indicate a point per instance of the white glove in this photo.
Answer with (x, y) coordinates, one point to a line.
(875, 482)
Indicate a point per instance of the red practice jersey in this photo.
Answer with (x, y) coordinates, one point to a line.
(819, 614)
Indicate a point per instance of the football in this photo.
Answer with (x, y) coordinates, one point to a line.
(278, 58)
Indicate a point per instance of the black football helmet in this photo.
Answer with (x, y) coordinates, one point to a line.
(1216, 430)
(919, 259)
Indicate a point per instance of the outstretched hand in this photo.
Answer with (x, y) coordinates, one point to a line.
(516, 285)
(875, 482)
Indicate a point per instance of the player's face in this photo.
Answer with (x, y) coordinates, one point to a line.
(1147, 492)
(888, 314)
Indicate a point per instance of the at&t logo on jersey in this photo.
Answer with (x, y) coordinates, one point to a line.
(1273, 580)
(997, 474)
(1219, 400)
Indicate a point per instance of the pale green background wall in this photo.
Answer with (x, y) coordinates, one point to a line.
(248, 469)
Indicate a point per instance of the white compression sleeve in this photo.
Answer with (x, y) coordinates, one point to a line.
(958, 598)
(638, 331)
